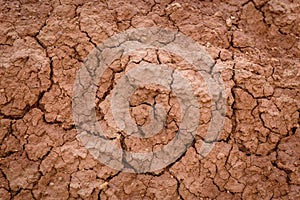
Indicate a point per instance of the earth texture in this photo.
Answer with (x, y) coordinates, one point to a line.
(255, 45)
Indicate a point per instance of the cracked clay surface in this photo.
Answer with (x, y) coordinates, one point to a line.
(256, 45)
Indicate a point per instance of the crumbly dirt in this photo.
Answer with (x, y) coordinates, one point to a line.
(44, 43)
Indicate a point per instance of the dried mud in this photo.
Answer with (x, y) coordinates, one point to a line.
(44, 43)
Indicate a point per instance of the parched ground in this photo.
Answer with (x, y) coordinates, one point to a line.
(255, 42)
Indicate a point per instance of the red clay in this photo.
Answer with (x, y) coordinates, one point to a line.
(257, 45)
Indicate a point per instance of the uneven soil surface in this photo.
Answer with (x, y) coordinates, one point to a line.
(256, 43)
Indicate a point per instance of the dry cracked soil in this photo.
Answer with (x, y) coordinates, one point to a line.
(256, 43)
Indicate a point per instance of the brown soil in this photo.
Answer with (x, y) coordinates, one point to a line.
(44, 43)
